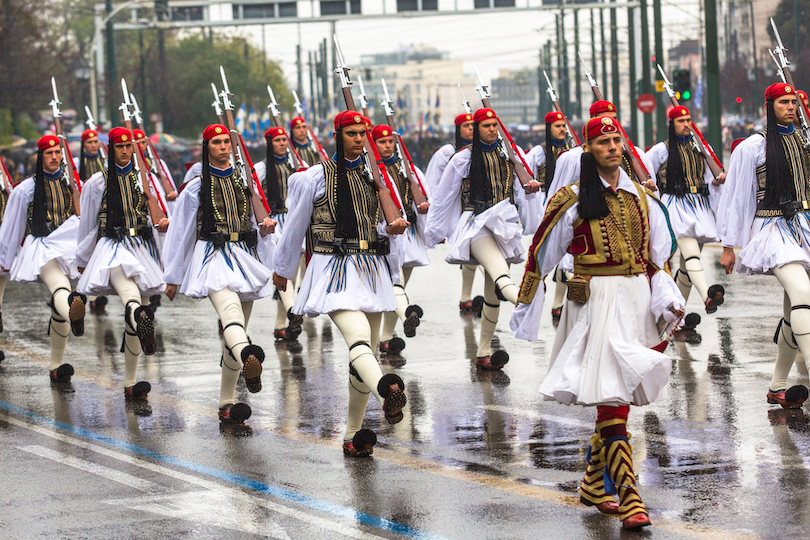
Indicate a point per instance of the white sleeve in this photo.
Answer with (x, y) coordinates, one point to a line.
(657, 156)
(436, 166)
(529, 205)
(566, 170)
(261, 170)
(714, 191)
(178, 244)
(535, 158)
(192, 172)
(447, 200)
(738, 200)
(303, 189)
(15, 219)
(664, 291)
(90, 203)
(646, 161)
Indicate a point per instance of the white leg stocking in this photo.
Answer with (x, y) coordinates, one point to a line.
(467, 278)
(234, 322)
(130, 295)
(489, 317)
(796, 282)
(59, 286)
(786, 350)
(486, 251)
(560, 288)
(690, 259)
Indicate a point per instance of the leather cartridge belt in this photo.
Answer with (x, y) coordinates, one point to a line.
(702, 190)
(341, 246)
(119, 233)
(219, 238)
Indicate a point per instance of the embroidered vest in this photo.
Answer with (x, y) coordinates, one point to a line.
(694, 167)
(3, 202)
(307, 154)
(283, 172)
(133, 202)
(232, 210)
(92, 166)
(798, 161)
(58, 208)
(499, 172)
(321, 232)
(541, 170)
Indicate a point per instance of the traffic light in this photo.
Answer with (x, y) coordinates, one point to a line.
(682, 83)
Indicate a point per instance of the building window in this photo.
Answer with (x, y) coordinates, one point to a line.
(190, 13)
(407, 5)
(338, 7)
(288, 9)
(504, 3)
(481, 4)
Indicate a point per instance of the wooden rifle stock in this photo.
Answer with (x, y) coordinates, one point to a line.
(322, 155)
(296, 159)
(567, 123)
(153, 201)
(67, 163)
(522, 170)
(257, 202)
(709, 157)
(157, 168)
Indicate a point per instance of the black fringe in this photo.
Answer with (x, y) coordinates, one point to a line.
(551, 163)
(272, 190)
(207, 222)
(676, 183)
(346, 226)
(39, 212)
(778, 182)
(459, 142)
(480, 186)
(115, 203)
(592, 203)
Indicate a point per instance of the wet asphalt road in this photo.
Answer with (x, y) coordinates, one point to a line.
(478, 455)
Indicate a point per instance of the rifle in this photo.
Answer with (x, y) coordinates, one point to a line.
(389, 202)
(698, 141)
(157, 210)
(241, 158)
(72, 180)
(639, 169)
(522, 169)
(321, 153)
(464, 102)
(91, 124)
(363, 102)
(292, 156)
(418, 190)
(783, 65)
(571, 135)
(156, 167)
(6, 185)
(216, 105)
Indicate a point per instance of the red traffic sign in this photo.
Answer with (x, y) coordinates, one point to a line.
(646, 103)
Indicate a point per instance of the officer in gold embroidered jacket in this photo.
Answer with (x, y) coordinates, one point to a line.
(688, 189)
(603, 354)
(215, 250)
(273, 172)
(41, 211)
(118, 253)
(336, 206)
(300, 141)
(765, 210)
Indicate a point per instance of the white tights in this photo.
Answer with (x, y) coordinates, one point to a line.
(390, 317)
(234, 315)
(690, 271)
(130, 295)
(796, 312)
(59, 286)
(467, 278)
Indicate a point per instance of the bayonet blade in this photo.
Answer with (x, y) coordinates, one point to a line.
(55, 94)
(776, 35)
(362, 88)
(126, 92)
(224, 80)
(216, 94)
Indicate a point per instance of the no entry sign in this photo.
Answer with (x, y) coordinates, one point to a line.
(646, 103)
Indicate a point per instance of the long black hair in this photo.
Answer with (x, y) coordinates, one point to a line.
(551, 163)
(592, 203)
(272, 188)
(207, 222)
(39, 212)
(480, 187)
(82, 168)
(346, 226)
(778, 181)
(459, 141)
(115, 203)
(676, 182)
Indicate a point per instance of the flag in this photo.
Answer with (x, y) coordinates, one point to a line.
(436, 113)
(253, 124)
(264, 123)
(241, 118)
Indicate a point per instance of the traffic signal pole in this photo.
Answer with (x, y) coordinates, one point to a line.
(712, 86)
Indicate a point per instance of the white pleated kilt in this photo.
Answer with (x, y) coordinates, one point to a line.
(500, 221)
(776, 242)
(235, 267)
(353, 283)
(138, 258)
(691, 216)
(602, 354)
(60, 245)
(413, 249)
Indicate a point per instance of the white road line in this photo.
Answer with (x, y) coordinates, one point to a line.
(341, 526)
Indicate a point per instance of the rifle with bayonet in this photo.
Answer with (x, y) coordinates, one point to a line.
(321, 153)
(241, 159)
(571, 135)
(362, 97)
(698, 141)
(783, 65)
(389, 201)
(292, 156)
(639, 169)
(157, 210)
(464, 102)
(417, 189)
(7, 184)
(522, 169)
(154, 162)
(217, 105)
(69, 172)
(91, 124)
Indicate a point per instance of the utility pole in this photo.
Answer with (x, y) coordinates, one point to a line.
(660, 109)
(593, 50)
(162, 10)
(755, 90)
(631, 38)
(603, 74)
(112, 70)
(713, 134)
(646, 66)
(614, 60)
(566, 79)
(577, 111)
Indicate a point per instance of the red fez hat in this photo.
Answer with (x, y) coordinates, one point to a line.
(601, 107)
(597, 127)
(802, 95)
(735, 144)
(274, 132)
(139, 134)
(120, 135)
(777, 90)
(47, 141)
(554, 116)
(677, 112)
(350, 118)
(460, 119)
(381, 131)
(214, 130)
(89, 134)
(297, 122)
(484, 114)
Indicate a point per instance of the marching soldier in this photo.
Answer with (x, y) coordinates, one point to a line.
(41, 211)
(300, 141)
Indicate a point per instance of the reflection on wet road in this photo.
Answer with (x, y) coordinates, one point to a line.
(478, 454)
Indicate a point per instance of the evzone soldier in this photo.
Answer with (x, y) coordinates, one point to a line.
(433, 174)
(764, 210)
(273, 173)
(543, 160)
(140, 138)
(117, 252)
(497, 212)
(215, 250)
(690, 192)
(300, 141)
(335, 205)
(604, 354)
(41, 211)
(4, 193)
(90, 161)
(413, 251)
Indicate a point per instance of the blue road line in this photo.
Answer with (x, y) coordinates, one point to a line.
(261, 487)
